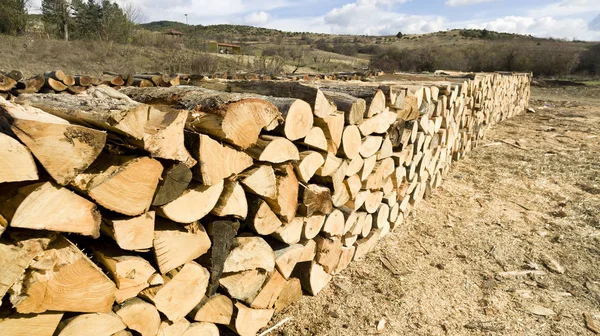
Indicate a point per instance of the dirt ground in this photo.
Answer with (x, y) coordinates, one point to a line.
(502, 209)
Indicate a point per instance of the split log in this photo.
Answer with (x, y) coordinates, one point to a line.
(173, 182)
(309, 252)
(297, 117)
(312, 276)
(17, 254)
(156, 80)
(119, 183)
(366, 245)
(328, 252)
(7, 83)
(333, 129)
(312, 226)
(373, 201)
(261, 218)
(112, 79)
(286, 201)
(216, 309)
(367, 225)
(354, 184)
(354, 108)
(31, 324)
(201, 329)
(370, 146)
(62, 278)
(232, 201)
(290, 233)
(268, 294)
(331, 165)
(248, 321)
(47, 206)
(32, 84)
(82, 80)
(140, 82)
(233, 118)
(21, 167)
(377, 124)
(173, 329)
(373, 96)
(164, 136)
(101, 107)
(175, 245)
(321, 105)
(334, 224)
(205, 150)
(315, 139)
(130, 233)
(3, 224)
(290, 294)
(139, 316)
(183, 292)
(287, 257)
(249, 253)
(158, 132)
(64, 150)
(387, 149)
(194, 203)
(346, 257)
(130, 273)
(260, 181)
(354, 166)
(381, 217)
(245, 285)
(103, 324)
(316, 200)
(308, 164)
(222, 235)
(55, 85)
(351, 142)
(273, 149)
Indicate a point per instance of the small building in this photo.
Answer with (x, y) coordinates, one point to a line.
(173, 32)
(224, 48)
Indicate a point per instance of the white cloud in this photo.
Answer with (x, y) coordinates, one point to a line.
(374, 17)
(566, 8)
(541, 27)
(453, 3)
(556, 18)
(257, 18)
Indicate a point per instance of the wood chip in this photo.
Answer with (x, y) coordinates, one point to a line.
(590, 324)
(552, 264)
(539, 310)
(381, 326)
(517, 274)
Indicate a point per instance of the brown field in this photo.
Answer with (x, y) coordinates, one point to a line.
(504, 208)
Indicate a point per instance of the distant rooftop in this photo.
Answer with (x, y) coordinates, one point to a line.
(174, 32)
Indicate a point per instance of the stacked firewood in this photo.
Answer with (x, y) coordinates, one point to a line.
(13, 83)
(175, 210)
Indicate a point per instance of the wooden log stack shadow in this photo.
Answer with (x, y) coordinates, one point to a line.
(183, 210)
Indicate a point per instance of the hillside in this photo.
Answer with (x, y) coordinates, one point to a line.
(271, 51)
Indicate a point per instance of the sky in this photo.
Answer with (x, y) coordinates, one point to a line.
(570, 19)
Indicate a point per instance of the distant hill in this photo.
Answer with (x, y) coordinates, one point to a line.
(212, 30)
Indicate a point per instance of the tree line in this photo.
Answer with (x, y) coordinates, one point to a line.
(552, 59)
(71, 19)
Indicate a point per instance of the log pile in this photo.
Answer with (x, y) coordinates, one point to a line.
(185, 210)
(14, 83)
